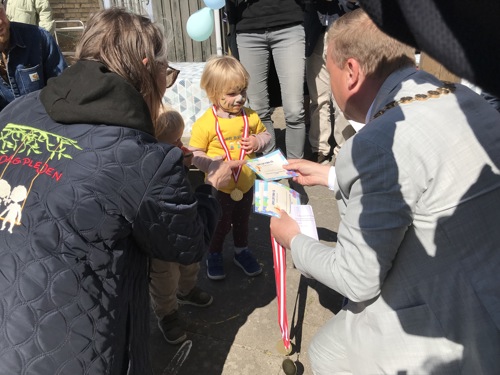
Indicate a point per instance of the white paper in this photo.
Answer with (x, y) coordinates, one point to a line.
(270, 166)
(304, 216)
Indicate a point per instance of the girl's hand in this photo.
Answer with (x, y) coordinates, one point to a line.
(249, 144)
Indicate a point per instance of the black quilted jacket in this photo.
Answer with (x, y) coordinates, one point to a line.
(86, 197)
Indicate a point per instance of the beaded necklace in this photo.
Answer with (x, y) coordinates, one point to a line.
(431, 94)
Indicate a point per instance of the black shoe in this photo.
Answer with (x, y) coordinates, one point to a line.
(320, 158)
(196, 297)
(171, 327)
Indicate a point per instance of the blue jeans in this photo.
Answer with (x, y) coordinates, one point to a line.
(287, 47)
(33, 59)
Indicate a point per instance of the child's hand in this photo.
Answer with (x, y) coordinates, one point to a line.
(188, 156)
(249, 144)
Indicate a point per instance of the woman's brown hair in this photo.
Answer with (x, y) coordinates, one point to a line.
(121, 40)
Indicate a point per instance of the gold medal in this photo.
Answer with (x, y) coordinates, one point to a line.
(236, 195)
(280, 347)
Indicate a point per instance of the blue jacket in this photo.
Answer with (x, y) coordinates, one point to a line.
(88, 196)
(33, 58)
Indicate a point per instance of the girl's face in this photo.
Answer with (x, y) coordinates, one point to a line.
(232, 101)
(174, 138)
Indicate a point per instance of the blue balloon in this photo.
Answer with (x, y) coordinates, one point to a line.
(214, 4)
(200, 24)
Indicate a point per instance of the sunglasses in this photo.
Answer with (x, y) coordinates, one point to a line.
(172, 75)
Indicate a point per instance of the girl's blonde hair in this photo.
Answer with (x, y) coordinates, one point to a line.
(221, 75)
(378, 54)
(121, 40)
(168, 122)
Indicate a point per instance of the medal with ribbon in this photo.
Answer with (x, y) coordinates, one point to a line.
(236, 194)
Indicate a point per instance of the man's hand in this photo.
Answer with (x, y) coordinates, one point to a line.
(220, 172)
(309, 173)
(284, 229)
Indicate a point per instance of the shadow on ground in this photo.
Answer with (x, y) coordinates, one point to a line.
(213, 330)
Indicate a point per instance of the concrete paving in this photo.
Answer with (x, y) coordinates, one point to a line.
(239, 333)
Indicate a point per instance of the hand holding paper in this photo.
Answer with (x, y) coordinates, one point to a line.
(284, 228)
(279, 201)
(270, 166)
(308, 173)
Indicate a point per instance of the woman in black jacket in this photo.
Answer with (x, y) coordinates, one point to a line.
(88, 196)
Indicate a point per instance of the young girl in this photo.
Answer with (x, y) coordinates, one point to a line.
(173, 283)
(234, 132)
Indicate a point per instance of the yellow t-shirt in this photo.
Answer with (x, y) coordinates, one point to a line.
(204, 137)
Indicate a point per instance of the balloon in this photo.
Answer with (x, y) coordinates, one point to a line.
(214, 4)
(200, 24)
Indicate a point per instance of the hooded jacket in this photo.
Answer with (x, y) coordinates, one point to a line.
(87, 195)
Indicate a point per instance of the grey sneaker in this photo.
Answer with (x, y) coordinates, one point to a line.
(196, 297)
(171, 327)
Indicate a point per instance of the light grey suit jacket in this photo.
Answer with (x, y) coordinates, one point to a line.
(418, 251)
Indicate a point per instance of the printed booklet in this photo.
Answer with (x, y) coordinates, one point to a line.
(270, 197)
(270, 167)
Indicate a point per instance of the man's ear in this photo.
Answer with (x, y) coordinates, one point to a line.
(145, 61)
(354, 74)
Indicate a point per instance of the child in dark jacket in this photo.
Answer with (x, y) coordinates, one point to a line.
(172, 283)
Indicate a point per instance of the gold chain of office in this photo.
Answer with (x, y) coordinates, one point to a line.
(431, 94)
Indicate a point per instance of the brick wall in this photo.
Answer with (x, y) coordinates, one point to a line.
(73, 9)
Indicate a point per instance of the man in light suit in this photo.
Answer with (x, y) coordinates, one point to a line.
(418, 187)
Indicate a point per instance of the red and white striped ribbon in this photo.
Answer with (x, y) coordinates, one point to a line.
(222, 140)
(279, 258)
